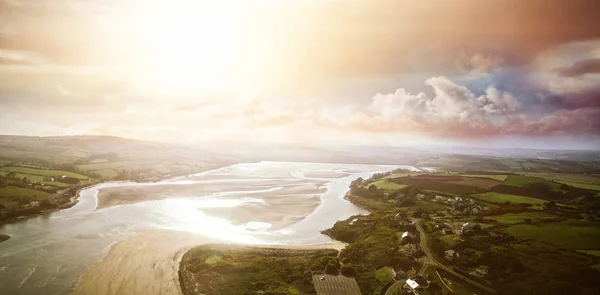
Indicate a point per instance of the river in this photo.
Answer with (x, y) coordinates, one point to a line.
(48, 254)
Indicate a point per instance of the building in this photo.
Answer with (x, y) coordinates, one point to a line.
(447, 231)
(408, 236)
(411, 249)
(400, 274)
(418, 285)
(451, 254)
(467, 228)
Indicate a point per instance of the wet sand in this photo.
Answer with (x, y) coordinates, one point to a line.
(148, 263)
(114, 196)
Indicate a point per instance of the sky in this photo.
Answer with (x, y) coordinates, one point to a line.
(509, 73)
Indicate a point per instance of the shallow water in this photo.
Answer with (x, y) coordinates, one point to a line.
(47, 254)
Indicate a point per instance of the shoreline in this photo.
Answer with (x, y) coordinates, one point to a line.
(156, 253)
(73, 200)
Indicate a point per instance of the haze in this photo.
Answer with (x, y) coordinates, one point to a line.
(493, 74)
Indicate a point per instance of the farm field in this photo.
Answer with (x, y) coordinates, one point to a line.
(448, 184)
(387, 185)
(499, 177)
(577, 180)
(43, 172)
(572, 235)
(528, 182)
(513, 218)
(591, 252)
(494, 197)
(8, 193)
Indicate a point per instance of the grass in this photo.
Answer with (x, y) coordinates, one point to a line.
(8, 193)
(13, 191)
(591, 252)
(490, 176)
(387, 185)
(494, 197)
(223, 269)
(43, 172)
(385, 274)
(513, 218)
(570, 235)
(527, 182)
(577, 180)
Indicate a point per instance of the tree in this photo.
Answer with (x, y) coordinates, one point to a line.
(348, 270)
(11, 175)
(331, 268)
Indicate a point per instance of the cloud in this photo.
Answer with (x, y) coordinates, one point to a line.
(580, 68)
(18, 57)
(449, 101)
(479, 64)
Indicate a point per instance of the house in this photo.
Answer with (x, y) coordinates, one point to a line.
(467, 227)
(418, 285)
(411, 249)
(440, 199)
(482, 271)
(451, 254)
(401, 215)
(34, 204)
(403, 222)
(420, 197)
(400, 274)
(408, 236)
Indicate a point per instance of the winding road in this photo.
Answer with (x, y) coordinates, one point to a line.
(396, 288)
(432, 260)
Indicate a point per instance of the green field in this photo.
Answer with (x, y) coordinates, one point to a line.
(43, 172)
(490, 176)
(570, 235)
(7, 193)
(591, 252)
(223, 269)
(494, 197)
(527, 182)
(513, 218)
(387, 185)
(577, 180)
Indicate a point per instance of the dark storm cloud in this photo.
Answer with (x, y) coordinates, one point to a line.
(588, 66)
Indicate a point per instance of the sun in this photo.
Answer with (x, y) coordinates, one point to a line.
(189, 45)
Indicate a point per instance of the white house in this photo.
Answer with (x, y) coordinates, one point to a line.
(451, 254)
(408, 234)
(467, 227)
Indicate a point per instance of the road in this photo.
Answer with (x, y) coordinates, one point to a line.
(433, 261)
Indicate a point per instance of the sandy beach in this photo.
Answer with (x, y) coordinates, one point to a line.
(145, 263)
(148, 263)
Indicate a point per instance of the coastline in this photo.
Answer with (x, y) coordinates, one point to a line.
(154, 254)
(73, 200)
